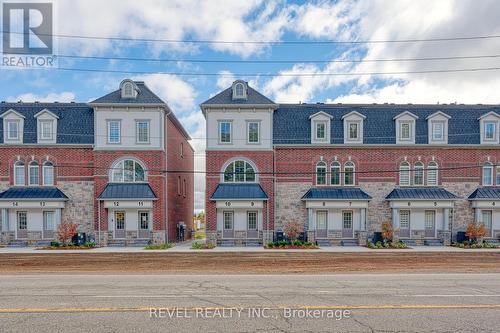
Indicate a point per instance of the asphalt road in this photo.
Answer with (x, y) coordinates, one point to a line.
(250, 303)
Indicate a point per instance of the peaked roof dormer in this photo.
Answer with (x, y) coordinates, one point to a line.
(437, 114)
(320, 113)
(406, 113)
(130, 92)
(354, 114)
(46, 111)
(232, 96)
(11, 111)
(491, 113)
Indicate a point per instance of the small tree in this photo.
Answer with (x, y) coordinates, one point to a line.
(292, 230)
(387, 231)
(475, 231)
(66, 231)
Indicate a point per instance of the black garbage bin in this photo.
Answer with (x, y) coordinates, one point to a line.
(377, 237)
(79, 238)
(278, 236)
(461, 237)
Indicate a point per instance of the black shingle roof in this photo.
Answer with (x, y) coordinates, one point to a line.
(127, 191)
(421, 193)
(239, 191)
(291, 123)
(75, 124)
(226, 97)
(335, 193)
(46, 193)
(486, 193)
(144, 96)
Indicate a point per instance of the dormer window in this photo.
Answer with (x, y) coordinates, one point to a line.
(405, 128)
(13, 123)
(490, 128)
(353, 127)
(320, 127)
(128, 89)
(438, 128)
(239, 90)
(47, 126)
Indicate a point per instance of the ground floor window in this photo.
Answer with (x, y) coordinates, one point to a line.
(120, 220)
(347, 220)
(48, 220)
(321, 219)
(144, 220)
(22, 220)
(252, 220)
(228, 220)
(430, 219)
(404, 219)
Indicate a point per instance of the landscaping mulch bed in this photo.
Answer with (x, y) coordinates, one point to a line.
(248, 263)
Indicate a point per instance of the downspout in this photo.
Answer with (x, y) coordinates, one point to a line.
(165, 128)
(99, 221)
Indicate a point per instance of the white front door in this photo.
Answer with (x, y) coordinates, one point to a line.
(430, 223)
(487, 221)
(404, 223)
(347, 224)
(252, 231)
(228, 231)
(144, 225)
(321, 224)
(22, 225)
(48, 224)
(119, 224)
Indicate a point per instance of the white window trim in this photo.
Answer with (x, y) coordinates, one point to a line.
(219, 127)
(23, 168)
(416, 167)
(256, 219)
(115, 166)
(338, 166)
(321, 164)
(245, 90)
(411, 129)
(353, 117)
(483, 173)
(353, 173)
(108, 131)
(233, 161)
(137, 136)
(490, 117)
(434, 168)
(320, 122)
(7, 125)
(494, 139)
(32, 166)
(405, 165)
(258, 132)
(44, 167)
(41, 137)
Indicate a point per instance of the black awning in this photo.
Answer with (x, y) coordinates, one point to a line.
(132, 191)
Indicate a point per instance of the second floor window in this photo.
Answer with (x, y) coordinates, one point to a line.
(34, 178)
(225, 132)
(48, 174)
(12, 129)
(321, 173)
(432, 174)
(404, 174)
(335, 173)
(128, 171)
(488, 175)
(498, 175)
(142, 131)
(114, 135)
(349, 173)
(239, 172)
(253, 132)
(19, 174)
(418, 174)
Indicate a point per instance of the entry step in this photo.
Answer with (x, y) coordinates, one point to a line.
(433, 242)
(17, 243)
(349, 242)
(323, 242)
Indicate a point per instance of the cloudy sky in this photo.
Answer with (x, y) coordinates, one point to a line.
(266, 21)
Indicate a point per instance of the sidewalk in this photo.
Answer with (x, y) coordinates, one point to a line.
(186, 247)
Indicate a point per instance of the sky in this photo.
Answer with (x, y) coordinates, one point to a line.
(269, 22)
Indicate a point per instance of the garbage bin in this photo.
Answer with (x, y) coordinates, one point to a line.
(79, 238)
(461, 237)
(377, 237)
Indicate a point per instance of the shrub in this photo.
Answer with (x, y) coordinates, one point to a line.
(475, 231)
(293, 229)
(163, 246)
(201, 246)
(55, 243)
(89, 245)
(387, 231)
(66, 231)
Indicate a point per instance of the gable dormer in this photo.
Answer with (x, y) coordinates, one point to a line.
(13, 127)
(353, 127)
(405, 127)
(490, 128)
(437, 128)
(46, 127)
(129, 89)
(240, 90)
(320, 127)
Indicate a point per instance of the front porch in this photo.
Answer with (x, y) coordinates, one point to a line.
(336, 216)
(30, 216)
(240, 215)
(129, 210)
(486, 204)
(421, 216)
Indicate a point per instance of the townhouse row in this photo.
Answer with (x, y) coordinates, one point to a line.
(102, 165)
(341, 170)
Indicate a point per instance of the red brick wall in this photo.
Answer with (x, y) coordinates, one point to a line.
(180, 201)
(154, 162)
(372, 161)
(71, 164)
(215, 161)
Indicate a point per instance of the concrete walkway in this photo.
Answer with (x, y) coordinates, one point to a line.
(186, 247)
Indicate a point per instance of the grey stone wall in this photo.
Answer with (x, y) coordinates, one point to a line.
(289, 207)
(463, 213)
(79, 208)
(378, 208)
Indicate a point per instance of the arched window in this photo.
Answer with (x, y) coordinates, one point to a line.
(335, 173)
(349, 173)
(321, 173)
(19, 179)
(48, 174)
(128, 171)
(128, 90)
(432, 174)
(239, 90)
(404, 174)
(487, 174)
(418, 174)
(34, 174)
(239, 171)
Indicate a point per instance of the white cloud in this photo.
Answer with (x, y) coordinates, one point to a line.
(225, 79)
(51, 97)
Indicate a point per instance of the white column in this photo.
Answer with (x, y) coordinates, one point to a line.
(395, 218)
(57, 218)
(5, 219)
(477, 215)
(362, 217)
(446, 219)
(312, 225)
